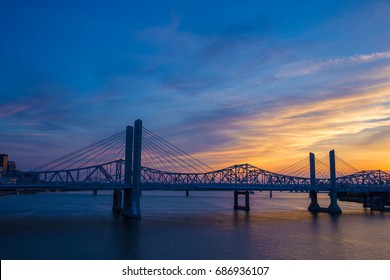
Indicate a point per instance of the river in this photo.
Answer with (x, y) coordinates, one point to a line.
(79, 225)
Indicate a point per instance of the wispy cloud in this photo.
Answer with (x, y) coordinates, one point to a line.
(307, 67)
(8, 110)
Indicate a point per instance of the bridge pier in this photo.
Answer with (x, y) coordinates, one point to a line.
(377, 201)
(314, 206)
(187, 193)
(131, 204)
(365, 202)
(236, 204)
(117, 201)
(333, 206)
(132, 194)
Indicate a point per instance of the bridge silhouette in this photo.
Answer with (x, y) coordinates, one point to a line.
(136, 159)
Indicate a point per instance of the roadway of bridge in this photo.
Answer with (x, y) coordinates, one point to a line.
(200, 187)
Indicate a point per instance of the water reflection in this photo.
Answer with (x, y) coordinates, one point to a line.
(202, 226)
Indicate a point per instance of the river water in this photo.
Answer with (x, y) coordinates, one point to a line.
(79, 225)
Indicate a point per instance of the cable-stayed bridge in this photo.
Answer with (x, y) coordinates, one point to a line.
(137, 159)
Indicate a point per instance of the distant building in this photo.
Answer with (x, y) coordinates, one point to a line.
(6, 165)
(3, 163)
(12, 166)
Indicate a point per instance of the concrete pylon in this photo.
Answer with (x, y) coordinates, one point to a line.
(129, 155)
(333, 207)
(117, 200)
(137, 169)
(314, 206)
(246, 207)
(132, 191)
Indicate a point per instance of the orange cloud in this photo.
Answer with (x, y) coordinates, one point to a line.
(356, 125)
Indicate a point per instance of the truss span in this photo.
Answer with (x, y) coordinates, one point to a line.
(242, 176)
(249, 177)
(110, 173)
(374, 179)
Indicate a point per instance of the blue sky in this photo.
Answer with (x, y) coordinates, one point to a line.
(263, 82)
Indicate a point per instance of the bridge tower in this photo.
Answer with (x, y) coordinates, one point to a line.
(314, 206)
(333, 207)
(132, 191)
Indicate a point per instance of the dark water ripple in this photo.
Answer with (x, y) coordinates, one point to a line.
(202, 226)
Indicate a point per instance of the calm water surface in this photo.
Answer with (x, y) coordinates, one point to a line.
(80, 225)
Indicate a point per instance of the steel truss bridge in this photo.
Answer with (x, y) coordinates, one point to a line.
(110, 175)
(116, 162)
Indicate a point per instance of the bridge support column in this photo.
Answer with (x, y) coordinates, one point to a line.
(365, 202)
(378, 201)
(131, 202)
(313, 207)
(187, 193)
(117, 201)
(333, 207)
(236, 204)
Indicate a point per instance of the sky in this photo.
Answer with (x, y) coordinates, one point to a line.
(230, 82)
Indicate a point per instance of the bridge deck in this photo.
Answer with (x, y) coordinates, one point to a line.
(202, 187)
